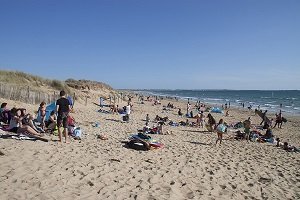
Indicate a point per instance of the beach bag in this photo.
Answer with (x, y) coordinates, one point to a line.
(125, 118)
(138, 145)
(77, 132)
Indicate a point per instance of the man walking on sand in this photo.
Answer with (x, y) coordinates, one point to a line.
(63, 108)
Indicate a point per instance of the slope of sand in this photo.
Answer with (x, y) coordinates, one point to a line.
(189, 167)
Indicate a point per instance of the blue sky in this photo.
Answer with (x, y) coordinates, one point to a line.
(162, 44)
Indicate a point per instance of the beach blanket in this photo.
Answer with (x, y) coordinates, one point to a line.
(22, 137)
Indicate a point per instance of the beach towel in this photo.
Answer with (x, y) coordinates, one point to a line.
(23, 137)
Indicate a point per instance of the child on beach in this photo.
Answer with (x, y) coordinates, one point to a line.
(227, 113)
(51, 122)
(147, 119)
(179, 112)
(247, 125)
(201, 119)
(42, 113)
(211, 122)
(278, 120)
(197, 120)
(221, 128)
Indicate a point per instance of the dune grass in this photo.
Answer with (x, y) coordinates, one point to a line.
(24, 79)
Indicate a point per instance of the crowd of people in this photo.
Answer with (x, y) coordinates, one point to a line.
(17, 120)
(249, 131)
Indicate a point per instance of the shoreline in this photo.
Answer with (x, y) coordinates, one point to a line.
(239, 108)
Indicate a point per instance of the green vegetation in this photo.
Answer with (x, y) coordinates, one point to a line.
(23, 79)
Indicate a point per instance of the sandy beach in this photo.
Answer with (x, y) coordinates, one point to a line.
(189, 166)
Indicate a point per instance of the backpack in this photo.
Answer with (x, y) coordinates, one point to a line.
(138, 145)
(77, 133)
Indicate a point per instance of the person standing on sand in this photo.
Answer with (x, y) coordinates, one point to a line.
(247, 126)
(264, 117)
(128, 111)
(63, 108)
(211, 122)
(278, 120)
(197, 120)
(221, 128)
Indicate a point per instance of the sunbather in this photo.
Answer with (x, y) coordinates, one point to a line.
(27, 119)
(16, 125)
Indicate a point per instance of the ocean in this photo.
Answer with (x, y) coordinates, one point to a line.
(272, 100)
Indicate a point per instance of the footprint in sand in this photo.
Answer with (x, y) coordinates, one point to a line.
(223, 187)
(190, 195)
(233, 186)
(250, 184)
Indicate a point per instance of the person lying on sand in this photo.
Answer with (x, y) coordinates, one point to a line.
(286, 146)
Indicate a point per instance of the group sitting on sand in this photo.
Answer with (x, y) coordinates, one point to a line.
(17, 120)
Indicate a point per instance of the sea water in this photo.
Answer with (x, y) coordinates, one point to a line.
(272, 100)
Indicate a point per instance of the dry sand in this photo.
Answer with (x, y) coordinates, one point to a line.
(188, 167)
